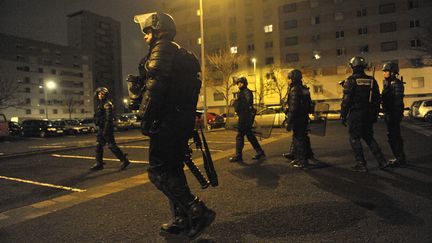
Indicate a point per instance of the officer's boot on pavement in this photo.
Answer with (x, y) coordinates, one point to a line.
(289, 156)
(99, 159)
(200, 218)
(179, 225)
(300, 163)
(259, 155)
(125, 162)
(236, 158)
(360, 167)
(400, 160)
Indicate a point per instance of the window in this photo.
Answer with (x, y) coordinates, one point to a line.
(288, 8)
(290, 24)
(55, 111)
(28, 101)
(268, 28)
(316, 20)
(42, 101)
(316, 37)
(27, 90)
(361, 12)
(40, 70)
(268, 44)
(53, 71)
(413, 4)
(251, 47)
(58, 53)
(364, 49)
(41, 111)
(414, 23)
(41, 90)
(415, 43)
(217, 96)
(232, 20)
(28, 112)
(340, 34)
(416, 62)
(417, 82)
(362, 31)
(269, 60)
(291, 41)
(387, 8)
(338, 16)
(83, 111)
(27, 80)
(20, 58)
(233, 49)
(318, 89)
(389, 46)
(313, 3)
(388, 27)
(340, 52)
(292, 57)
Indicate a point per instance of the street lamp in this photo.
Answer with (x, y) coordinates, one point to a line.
(201, 14)
(125, 102)
(49, 84)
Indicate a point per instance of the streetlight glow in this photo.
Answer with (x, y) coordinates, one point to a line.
(125, 100)
(51, 84)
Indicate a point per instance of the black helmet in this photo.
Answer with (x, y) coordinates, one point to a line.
(157, 22)
(358, 62)
(392, 67)
(242, 80)
(103, 90)
(295, 75)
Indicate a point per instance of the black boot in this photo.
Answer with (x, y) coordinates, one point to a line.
(298, 163)
(178, 226)
(259, 155)
(97, 166)
(396, 163)
(237, 158)
(99, 158)
(289, 156)
(360, 167)
(200, 218)
(125, 163)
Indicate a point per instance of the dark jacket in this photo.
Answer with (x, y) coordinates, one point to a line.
(392, 97)
(103, 117)
(299, 102)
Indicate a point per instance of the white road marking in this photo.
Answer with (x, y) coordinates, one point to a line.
(42, 184)
(48, 146)
(146, 147)
(93, 158)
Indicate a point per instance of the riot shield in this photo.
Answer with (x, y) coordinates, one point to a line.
(318, 121)
(264, 122)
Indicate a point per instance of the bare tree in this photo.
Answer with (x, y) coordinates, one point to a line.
(277, 83)
(225, 64)
(8, 92)
(70, 103)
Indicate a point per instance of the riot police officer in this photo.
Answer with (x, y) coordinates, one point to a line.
(103, 118)
(360, 107)
(299, 107)
(243, 106)
(393, 107)
(167, 91)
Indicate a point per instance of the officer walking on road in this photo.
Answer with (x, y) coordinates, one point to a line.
(243, 106)
(393, 107)
(360, 107)
(167, 91)
(103, 118)
(299, 107)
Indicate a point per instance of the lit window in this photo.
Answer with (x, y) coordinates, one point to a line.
(415, 43)
(199, 41)
(268, 28)
(233, 49)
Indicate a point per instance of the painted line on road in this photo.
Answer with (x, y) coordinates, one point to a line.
(42, 184)
(93, 158)
(418, 129)
(47, 146)
(25, 213)
(146, 147)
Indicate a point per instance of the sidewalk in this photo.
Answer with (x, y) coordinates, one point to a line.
(266, 201)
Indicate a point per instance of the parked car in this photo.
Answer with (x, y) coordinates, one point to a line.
(421, 109)
(41, 128)
(72, 126)
(213, 120)
(4, 126)
(14, 128)
(121, 123)
(89, 122)
(134, 120)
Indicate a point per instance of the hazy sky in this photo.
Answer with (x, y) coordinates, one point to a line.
(45, 20)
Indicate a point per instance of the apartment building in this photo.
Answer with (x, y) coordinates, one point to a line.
(317, 36)
(99, 36)
(53, 81)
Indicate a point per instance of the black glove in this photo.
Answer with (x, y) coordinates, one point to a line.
(344, 121)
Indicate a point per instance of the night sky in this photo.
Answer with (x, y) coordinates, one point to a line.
(45, 20)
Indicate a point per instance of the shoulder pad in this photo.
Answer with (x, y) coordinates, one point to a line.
(161, 56)
(108, 105)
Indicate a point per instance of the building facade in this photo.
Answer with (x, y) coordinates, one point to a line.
(316, 36)
(100, 37)
(33, 66)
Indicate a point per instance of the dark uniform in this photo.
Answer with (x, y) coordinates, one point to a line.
(243, 106)
(168, 106)
(360, 105)
(103, 118)
(393, 107)
(299, 107)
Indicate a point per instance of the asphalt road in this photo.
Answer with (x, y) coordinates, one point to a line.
(264, 201)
